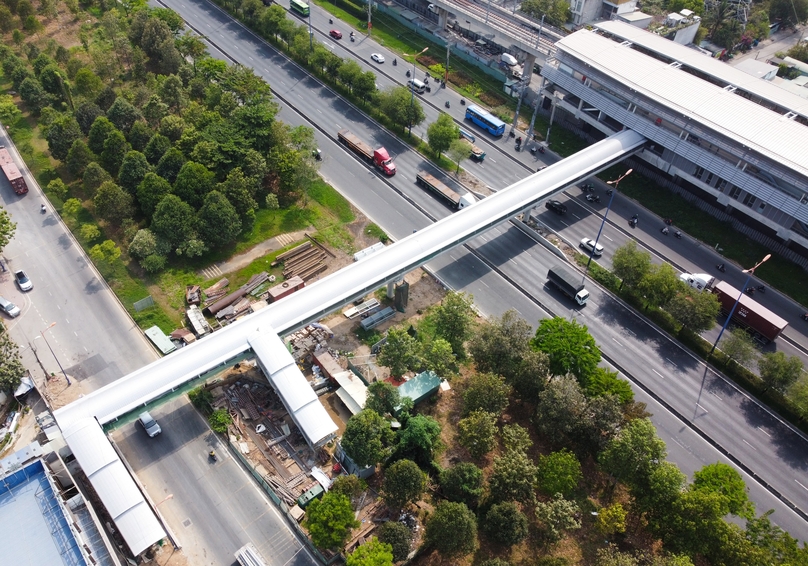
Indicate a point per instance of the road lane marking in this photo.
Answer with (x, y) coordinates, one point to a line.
(750, 446)
(802, 486)
(616, 342)
(764, 432)
(67, 321)
(513, 262)
(702, 408)
(608, 238)
(484, 283)
(671, 361)
(717, 397)
(656, 372)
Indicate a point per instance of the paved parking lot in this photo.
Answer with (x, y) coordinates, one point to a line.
(212, 508)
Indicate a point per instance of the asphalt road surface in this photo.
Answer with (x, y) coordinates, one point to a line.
(758, 440)
(93, 338)
(214, 508)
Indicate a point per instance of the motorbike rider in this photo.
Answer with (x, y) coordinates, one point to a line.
(665, 230)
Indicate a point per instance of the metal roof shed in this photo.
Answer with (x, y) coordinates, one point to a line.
(160, 340)
(123, 501)
(420, 387)
(297, 396)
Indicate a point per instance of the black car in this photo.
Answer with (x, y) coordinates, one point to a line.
(555, 206)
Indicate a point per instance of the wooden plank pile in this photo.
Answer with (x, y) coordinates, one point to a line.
(216, 291)
(305, 261)
(192, 295)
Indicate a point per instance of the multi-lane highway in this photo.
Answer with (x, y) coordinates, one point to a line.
(93, 338)
(700, 399)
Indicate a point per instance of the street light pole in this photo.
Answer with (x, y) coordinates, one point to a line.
(749, 273)
(42, 332)
(412, 90)
(603, 222)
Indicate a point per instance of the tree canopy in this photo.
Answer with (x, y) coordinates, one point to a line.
(569, 346)
(330, 520)
(451, 529)
(367, 438)
(403, 483)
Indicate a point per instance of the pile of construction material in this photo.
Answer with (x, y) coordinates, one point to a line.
(237, 302)
(306, 340)
(305, 261)
(217, 291)
(193, 296)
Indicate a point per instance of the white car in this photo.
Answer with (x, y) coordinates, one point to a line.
(589, 245)
(378, 57)
(9, 308)
(149, 424)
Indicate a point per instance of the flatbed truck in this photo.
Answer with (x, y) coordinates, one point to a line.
(457, 201)
(377, 157)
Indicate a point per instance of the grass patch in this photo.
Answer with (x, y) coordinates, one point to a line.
(328, 197)
(376, 232)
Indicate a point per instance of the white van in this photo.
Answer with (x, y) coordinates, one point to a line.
(416, 86)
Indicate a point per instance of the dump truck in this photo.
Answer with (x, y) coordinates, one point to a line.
(377, 157)
(457, 201)
(764, 325)
(568, 283)
(12, 172)
(477, 154)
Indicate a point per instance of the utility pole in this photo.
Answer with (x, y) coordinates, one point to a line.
(446, 73)
(522, 85)
(370, 24)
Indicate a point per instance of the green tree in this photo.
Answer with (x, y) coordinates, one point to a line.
(486, 392)
(349, 73)
(477, 433)
(778, 370)
(798, 393)
(78, 157)
(779, 546)
(348, 485)
(71, 208)
(7, 228)
(86, 115)
(382, 398)
(99, 132)
(9, 113)
(219, 223)
(156, 148)
(400, 353)
(11, 368)
(506, 524)
(665, 484)
(454, 320)
(170, 164)
(364, 87)
(61, 134)
(419, 440)
(367, 438)
(57, 188)
(240, 191)
(659, 285)
(150, 192)
(561, 409)
(739, 346)
(569, 346)
(372, 553)
(112, 203)
(451, 530)
(133, 170)
(173, 220)
(633, 454)
(143, 244)
(604, 381)
(105, 254)
(172, 127)
(695, 310)
(398, 536)
(194, 182)
(399, 106)
(87, 84)
(441, 133)
(403, 483)
(724, 480)
(115, 149)
(94, 176)
(24, 9)
(558, 472)
(790, 13)
(459, 150)
(330, 520)
(512, 478)
(516, 437)
(557, 516)
(123, 114)
(6, 20)
(463, 483)
(611, 520)
(33, 95)
(437, 356)
(631, 264)
(557, 12)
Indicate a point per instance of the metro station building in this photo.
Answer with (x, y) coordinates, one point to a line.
(736, 141)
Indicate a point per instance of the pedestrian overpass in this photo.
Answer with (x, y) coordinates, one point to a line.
(81, 420)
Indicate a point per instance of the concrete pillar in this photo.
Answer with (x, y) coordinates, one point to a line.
(391, 290)
(443, 16)
(529, 61)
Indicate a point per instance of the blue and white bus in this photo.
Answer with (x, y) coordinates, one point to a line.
(494, 125)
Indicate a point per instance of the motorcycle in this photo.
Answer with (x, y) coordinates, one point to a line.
(592, 198)
(633, 222)
(541, 149)
(678, 234)
(353, 37)
(408, 74)
(212, 456)
(665, 230)
(511, 134)
(447, 104)
(462, 102)
(805, 316)
(750, 291)
(668, 221)
(721, 268)
(395, 62)
(330, 21)
(588, 188)
(42, 209)
(317, 155)
(533, 151)
(609, 192)
(761, 288)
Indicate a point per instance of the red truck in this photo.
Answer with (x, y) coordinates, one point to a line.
(765, 325)
(378, 157)
(12, 172)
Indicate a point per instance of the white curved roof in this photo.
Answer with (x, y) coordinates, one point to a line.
(114, 486)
